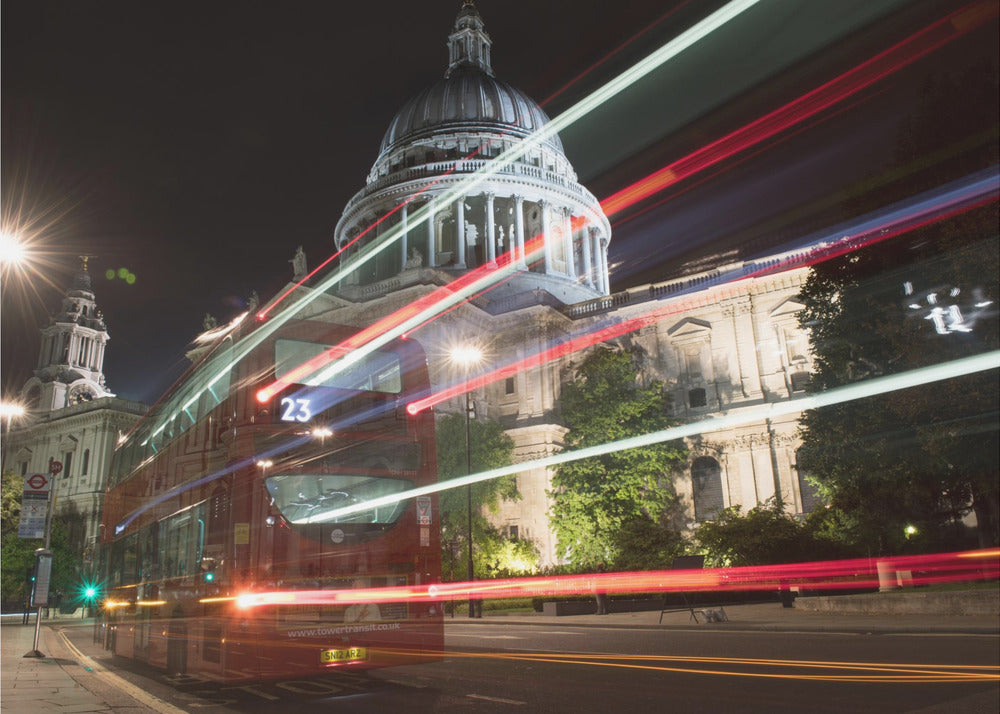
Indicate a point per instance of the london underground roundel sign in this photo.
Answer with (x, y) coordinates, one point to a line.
(37, 482)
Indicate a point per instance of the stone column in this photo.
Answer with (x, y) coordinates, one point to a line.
(403, 247)
(519, 227)
(602, 265)
(430, 234)
(586, 247)
(595, 238)
(460, 238)
(741, 312)
(568, 243)
(491, 240)
(543, 206)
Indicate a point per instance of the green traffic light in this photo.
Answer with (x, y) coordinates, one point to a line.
(209, 577)
(90, 593)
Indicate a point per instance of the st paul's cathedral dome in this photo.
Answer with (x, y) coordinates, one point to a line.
(446, 135)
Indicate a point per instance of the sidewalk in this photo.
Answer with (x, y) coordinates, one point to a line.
(58, 682)
(762, 617)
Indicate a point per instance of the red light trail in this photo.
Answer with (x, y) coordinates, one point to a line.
(262, 315)
(933, 209)
(859, 573)
(836, 90)
(878, 67)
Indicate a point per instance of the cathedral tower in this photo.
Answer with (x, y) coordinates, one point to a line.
(71, 360)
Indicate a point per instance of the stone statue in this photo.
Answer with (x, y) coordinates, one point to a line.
(209, 323)
(299, 270)
(415, 260)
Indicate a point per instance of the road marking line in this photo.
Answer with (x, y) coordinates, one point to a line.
(495, 699)
(130, 689)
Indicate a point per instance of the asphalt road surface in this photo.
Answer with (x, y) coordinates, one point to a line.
(529, 668)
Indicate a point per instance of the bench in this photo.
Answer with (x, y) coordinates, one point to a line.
(708, 612)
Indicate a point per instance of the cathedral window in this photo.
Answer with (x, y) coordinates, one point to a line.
(510, 386)
(706, 488)
(67, 463)
(799, 381)
(697, 397)
(86, 462)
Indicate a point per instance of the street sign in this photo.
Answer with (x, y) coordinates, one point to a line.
(34, 506)
(55, 467)
(37, 483)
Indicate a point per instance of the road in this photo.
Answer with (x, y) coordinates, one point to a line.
(513, 667)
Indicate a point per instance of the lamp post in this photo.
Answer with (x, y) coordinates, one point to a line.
(10, 411)
(12, 251)
(468, 357)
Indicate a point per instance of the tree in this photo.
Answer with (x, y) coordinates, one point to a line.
(493, 554)
(17, 555)
(598, 502)
(923, 456)
(765, 535)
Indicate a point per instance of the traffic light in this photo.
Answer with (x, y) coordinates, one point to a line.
(89, 592)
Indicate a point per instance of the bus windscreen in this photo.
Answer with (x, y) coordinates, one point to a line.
(379, 372)
(313, 498)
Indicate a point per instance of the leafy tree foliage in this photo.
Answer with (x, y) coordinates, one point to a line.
(600, 503)
(17, 555)
(919, 456)
(493, 554)
(643, 544)
(765, 535)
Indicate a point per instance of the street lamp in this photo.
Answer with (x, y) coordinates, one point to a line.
(11, 411)
(468, 357)
(11, 250)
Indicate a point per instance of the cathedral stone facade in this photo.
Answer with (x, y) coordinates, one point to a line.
(72, 419)
(718, 350)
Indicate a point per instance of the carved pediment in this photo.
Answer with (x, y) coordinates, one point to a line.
(690, 327)
(787, 308)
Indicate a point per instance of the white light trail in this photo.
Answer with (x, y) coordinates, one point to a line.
(867, 388)
(571, 115)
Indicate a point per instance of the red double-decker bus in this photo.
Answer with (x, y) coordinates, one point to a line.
(216, 499)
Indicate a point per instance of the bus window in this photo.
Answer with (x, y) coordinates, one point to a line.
(315, 498)
(124, 561)
(182, 538)
(378, 372)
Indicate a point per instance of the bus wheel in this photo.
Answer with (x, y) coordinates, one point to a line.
(177, 647)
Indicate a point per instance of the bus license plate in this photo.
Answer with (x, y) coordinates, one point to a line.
(349, 654)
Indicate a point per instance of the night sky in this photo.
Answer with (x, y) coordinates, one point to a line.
(198, 143)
